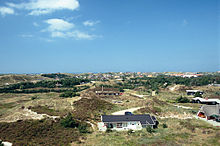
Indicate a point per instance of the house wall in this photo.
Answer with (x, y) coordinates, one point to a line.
(108, 94)
(193, 93)
(120, 126)
(127, 126)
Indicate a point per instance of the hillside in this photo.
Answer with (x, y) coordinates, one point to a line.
(12, 79)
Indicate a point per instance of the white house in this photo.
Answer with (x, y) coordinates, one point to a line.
(205, 101)
(126, 122)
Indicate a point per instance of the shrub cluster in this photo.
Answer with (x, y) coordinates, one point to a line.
(69, 122)
(182, 100)
(150, 129)
(164, 125)
(64, 83)
(69, 94)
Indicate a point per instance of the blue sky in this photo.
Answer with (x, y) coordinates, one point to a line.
(109, 35)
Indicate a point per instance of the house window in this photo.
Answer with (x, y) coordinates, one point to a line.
(109, 125)
(125, 124)
(119, 125)
(134, 123)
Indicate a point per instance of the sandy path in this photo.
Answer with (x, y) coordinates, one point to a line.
(127, 110)
(25, 114)
(179, 106)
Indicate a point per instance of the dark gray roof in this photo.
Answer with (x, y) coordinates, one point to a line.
(144, 119)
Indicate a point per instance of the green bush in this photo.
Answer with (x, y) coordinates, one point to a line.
(69, 94)
(165, 125)
(34, 97)
(197, 94)
(130, 131)
(108, 130)
(69, 122)
(182, 100)
(150, 129)
(83, 128)
(1, 144)
(194, 111)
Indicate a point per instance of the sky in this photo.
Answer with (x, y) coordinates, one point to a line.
(45, 36)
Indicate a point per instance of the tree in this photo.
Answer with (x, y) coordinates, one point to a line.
(198, 94)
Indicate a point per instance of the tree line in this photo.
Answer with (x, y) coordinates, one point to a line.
(64, 83)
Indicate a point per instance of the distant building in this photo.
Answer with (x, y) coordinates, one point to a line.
(107, 91)
(206, 101)
(215, 85)
(187, 75)
(193, 92)
(210, 112)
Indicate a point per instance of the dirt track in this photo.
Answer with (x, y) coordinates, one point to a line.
(127, 110)
(25, 114)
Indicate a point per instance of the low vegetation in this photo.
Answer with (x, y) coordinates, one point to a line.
(38, 132)
(70, 122)
(69, 94)
(182, 100)
(86, 109)
(46, 110)
(55, 75)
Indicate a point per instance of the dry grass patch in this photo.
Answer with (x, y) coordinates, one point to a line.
(38, 132)
(91, 109)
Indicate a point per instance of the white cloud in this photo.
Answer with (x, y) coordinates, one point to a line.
(78, 35)
(6, 10)
(35, 24)
(90, 23)
(58, 25)
(58, 34)
(60, 28)
(39, 7)
(81, 35)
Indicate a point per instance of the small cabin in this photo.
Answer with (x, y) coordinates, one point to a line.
(107, 92)
(210, 112)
